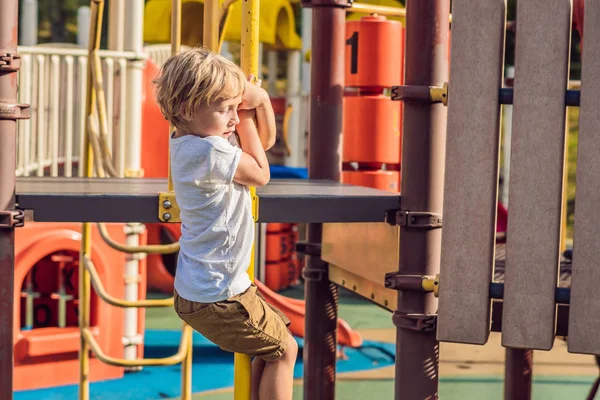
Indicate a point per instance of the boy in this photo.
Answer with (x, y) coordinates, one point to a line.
(207, 98)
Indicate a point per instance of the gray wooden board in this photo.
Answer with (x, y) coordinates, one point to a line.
(584, 316)
(136, 200)
(470, 187)
(536, 174)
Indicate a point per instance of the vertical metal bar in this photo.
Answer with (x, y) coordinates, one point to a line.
(109, 90)
(86, 229)
(69, 63)
(518, 373)
(326, 100)
(41, 114)
(423, 158)
(186, 366)
(9, 22)
(242, 372)
(175, 48)
(54, 113)
(212, 13)
(82, 66)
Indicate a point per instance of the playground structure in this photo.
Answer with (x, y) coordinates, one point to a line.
(530, 296)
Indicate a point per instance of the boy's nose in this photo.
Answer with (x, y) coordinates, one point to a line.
(236, 118)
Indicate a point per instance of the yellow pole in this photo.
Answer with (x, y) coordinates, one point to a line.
(186, 365)
(175, 48)
(97, 9)
(212, 16)
(249, 60)
(375, 9)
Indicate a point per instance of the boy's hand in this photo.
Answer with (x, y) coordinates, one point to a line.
(253, 96)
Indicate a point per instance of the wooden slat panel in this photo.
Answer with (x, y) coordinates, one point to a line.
(360, 255)
(470, 188)
(536, 177)
(369, 250)
(584, 321)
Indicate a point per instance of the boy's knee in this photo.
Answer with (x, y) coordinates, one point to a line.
(292, 348)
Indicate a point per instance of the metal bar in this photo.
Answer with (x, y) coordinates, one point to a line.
(9, 12)
(374, 9)
(113, 301)
(326, 97)
(585, 305)
(572, 97)
(212, 11)
(41, 114)
(423, 157)
(562, 295)
(177, 358)
(242, 372)
(175, 49)
(54, 100)
(41, 50)
(97, 8)
(470, 187)
(518, 373)
(69, 64)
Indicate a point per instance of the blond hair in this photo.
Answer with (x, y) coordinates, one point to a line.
(194, 77)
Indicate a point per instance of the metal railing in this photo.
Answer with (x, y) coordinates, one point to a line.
(53, 80)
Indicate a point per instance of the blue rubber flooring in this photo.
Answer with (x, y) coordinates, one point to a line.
(212, 369)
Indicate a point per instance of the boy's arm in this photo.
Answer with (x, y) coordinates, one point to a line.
(253, 168)
(265, 119)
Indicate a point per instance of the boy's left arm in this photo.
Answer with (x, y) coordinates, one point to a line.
(265, 120)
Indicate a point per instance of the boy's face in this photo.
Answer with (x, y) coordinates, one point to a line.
(217, 119)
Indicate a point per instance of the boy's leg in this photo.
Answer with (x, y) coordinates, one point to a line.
(258, 366)
(278, 376)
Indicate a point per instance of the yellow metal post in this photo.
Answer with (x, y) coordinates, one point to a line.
(97, 9)
(212, 16)
(186, 365)
(175, 47)
(249, 61)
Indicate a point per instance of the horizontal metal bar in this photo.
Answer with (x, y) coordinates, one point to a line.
(113, 301)
(562, 318)
(381, 10)
(140, 362)
(506, 97)
(562, 295)
(79, 52)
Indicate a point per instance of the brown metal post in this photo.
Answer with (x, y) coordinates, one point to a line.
(327, 87)
(423, 155)
(518, 373)
(9, 112)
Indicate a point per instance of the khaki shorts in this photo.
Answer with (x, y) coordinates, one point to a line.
(244, 324)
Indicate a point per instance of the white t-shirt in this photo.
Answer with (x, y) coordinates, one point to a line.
(217, 228)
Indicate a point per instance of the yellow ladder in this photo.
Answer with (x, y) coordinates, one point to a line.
(214, 13)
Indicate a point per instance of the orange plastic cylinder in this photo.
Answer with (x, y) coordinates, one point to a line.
(371, 130)
(382, 180)
(374, 52)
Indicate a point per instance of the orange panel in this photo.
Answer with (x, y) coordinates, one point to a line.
(383, 180)
(273, 275)
(155, 130)
(374, 52)
(371, 130)
(46, 259)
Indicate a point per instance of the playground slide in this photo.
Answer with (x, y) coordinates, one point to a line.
(295, 310)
